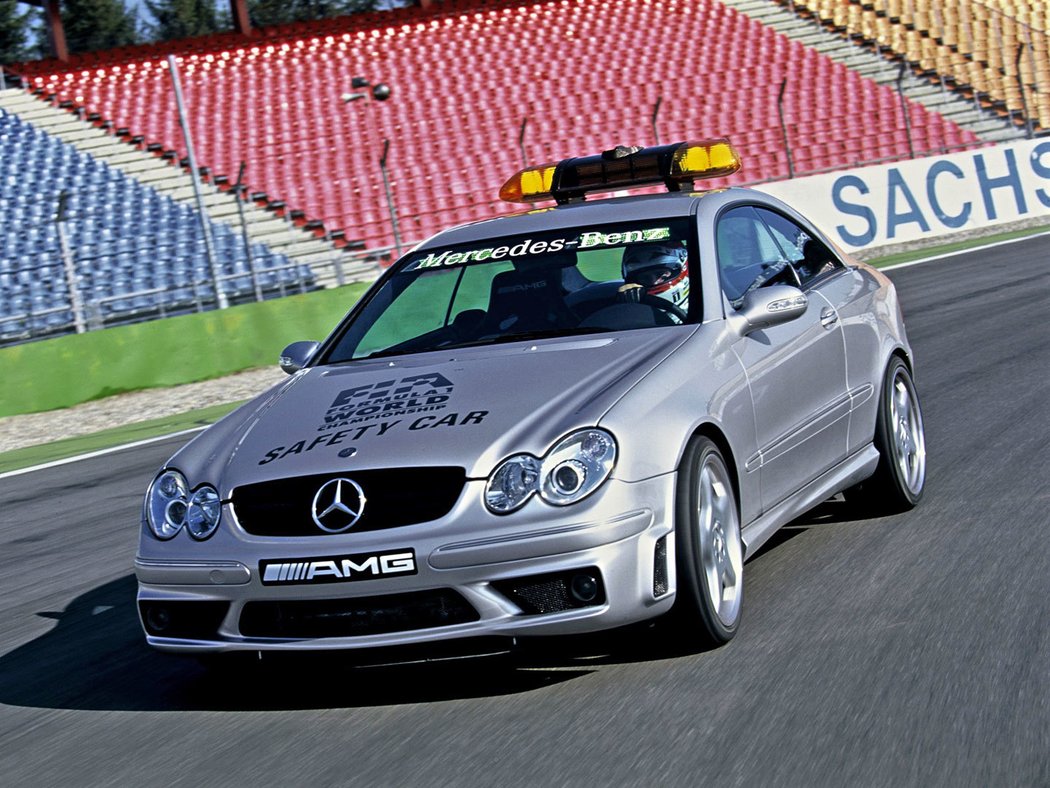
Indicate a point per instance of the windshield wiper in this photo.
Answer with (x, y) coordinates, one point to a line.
(524, 336)
(389, 352)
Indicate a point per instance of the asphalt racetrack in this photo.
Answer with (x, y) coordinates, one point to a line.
(911, 650)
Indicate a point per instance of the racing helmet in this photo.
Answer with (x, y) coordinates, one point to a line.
(662, 269)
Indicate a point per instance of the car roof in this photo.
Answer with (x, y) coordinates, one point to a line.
(594, 212)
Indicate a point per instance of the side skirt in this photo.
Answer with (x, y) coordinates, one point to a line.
(850, 471)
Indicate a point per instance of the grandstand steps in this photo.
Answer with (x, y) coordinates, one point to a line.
(280, 234)
(955, 107)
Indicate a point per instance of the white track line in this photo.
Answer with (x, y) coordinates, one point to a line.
(964, 251)
(158, 439)
(101, 452)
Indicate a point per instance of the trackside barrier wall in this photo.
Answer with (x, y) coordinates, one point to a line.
(67, 370)
(925, 199)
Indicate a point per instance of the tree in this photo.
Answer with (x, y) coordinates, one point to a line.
(93, 25)
(277, 12)
(181, 18)
(14, 33)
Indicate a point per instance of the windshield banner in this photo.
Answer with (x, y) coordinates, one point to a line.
(591, 239)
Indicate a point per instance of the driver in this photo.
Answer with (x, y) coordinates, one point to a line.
(659, 270)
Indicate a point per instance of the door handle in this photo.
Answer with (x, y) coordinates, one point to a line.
(828, 317)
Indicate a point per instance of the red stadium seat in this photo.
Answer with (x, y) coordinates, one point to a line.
(465, 73)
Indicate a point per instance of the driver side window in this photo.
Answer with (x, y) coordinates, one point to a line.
(748, 255)
(810, 258)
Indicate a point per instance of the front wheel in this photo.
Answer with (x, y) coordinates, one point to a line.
(900, 478)
(710, 556)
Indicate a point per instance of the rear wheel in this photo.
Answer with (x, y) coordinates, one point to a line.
(709, 551)
(900, 478)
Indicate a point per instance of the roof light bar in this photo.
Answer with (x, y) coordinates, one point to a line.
(676, 166)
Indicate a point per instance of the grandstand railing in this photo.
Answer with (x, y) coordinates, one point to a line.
(139, 305)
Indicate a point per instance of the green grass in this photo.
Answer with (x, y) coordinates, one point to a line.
(71, 447)
(118, 436)
(68, 370)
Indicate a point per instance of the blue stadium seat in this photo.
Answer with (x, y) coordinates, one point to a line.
(135, 250)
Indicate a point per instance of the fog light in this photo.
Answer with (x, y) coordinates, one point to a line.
(584, 588)
(158, 618)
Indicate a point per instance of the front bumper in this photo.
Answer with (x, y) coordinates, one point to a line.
(477, 575)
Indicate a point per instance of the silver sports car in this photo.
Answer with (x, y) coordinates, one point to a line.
(563, 420)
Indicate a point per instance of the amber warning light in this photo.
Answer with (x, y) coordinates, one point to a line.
(676, 165)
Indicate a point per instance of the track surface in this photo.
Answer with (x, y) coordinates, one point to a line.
(910, 650)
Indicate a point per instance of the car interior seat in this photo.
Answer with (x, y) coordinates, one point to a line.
(527, 300)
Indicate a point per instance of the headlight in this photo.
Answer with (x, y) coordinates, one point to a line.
(572, 470)
(170, 506)
(202, 514)
(512, 483)
(577, 466)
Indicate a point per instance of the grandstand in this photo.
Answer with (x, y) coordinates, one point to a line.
(482, 87)
(137, 253)
(995, 50)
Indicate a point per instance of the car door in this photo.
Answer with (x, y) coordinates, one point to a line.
(796, 371)
(850, 300)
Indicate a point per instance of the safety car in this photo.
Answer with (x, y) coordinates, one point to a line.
(567, 419)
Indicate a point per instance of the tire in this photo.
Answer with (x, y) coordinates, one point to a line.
(709, 553)
(900, 477)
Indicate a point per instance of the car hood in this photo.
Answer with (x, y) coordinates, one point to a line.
(468, 408)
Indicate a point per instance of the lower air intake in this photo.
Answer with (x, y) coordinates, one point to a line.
(183, 619)
(554, 592)
(356, 616)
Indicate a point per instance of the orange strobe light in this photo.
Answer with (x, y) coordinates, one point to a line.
(676, 166)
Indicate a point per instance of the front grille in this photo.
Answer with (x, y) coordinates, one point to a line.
(356, 616)
(394, 497)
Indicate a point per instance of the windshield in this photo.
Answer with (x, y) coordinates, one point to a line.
(576, 281)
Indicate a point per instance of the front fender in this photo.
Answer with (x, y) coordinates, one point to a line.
(703, 383)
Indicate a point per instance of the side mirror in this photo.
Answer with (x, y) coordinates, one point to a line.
(296, 355)
(770, 306)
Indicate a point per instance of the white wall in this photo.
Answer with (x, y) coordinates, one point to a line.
(925, 198)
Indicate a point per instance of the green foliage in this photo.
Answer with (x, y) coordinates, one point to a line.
(181, 19)
(14, 33)
(93, 25)
(278, 12)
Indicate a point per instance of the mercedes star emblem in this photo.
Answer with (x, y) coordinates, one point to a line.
(338, 505)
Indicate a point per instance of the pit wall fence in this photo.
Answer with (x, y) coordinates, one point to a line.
(871, 211)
